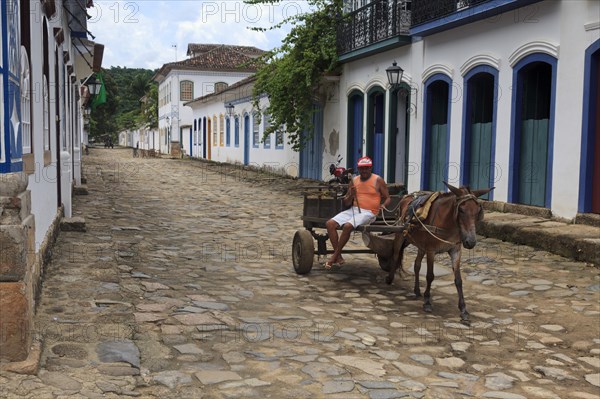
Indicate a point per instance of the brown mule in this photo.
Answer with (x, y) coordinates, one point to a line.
(449, 226)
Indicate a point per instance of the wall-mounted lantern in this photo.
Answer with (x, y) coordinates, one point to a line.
(230, 109)
(394, 74)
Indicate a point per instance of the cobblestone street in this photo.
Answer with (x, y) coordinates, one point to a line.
(183, 287)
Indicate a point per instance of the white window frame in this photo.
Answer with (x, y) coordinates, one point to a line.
(26, 131)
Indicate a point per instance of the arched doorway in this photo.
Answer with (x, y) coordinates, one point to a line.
(397, 170)
(589, 180)
(532, 130)
(311, 155)
(193, 141)
(355, 127)
(204, 142)
(246, 139)
(436, 133)
(479, 128)
(376, 128)
(209, 135)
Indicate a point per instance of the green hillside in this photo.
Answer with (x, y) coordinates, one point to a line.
(123, 109)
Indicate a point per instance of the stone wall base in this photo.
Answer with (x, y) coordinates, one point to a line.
(15, 321)
(175, 149)
(21, 271)
(28, 366)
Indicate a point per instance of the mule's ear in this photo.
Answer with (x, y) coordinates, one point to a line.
(479, 193)
(453, 189)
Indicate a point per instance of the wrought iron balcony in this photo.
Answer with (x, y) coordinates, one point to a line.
(428, 10)
(373, 23)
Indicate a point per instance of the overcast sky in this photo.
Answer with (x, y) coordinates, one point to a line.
(141, 34)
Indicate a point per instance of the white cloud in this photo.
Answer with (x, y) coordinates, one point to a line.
(141, 34)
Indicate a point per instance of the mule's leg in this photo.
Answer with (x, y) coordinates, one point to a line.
(427, 296)
(417, 269)
(399, 244)
(455, 254)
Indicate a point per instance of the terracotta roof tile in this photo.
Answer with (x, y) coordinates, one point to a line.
(215, 57)
(222, 57)
(195, 49)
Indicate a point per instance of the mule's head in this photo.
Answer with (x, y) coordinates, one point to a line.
(468, 212)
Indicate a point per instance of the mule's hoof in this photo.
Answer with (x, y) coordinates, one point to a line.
(464, 318)
(428, 308)
(389, 280)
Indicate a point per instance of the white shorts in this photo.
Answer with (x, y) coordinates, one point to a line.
(355, 218)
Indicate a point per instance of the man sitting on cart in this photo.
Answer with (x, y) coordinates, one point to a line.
(365, 193)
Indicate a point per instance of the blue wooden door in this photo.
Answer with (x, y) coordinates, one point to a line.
(378, 135)
(355, 136)
(246, 139)
(534, 134)
(479, 165)
(436, 141)
(204, 144)
(11, 145)
(311, 155)
(595, 131)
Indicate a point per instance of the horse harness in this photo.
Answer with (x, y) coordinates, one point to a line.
(409, 222)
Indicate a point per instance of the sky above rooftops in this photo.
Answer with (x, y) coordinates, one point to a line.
(144, 33)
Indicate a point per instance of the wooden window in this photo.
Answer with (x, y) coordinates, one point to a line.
(267, 139)
(46, 94)
(219, 86)
(221, 128)
(214, 129)
(25, 102)
(236, 137)
(228, 132)
(279, 138)
(186, 90)
(46, 105)
(255, 129)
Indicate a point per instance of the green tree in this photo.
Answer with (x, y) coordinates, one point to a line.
(149, 114)
(102, 120)
(125, 87)
(290, 75)
(139, 85)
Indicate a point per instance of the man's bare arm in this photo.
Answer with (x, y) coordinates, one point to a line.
(349, 197)
(383, 190)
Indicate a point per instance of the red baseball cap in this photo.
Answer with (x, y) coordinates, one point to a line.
(364, 161)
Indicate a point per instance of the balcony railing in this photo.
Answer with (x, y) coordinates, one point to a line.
(375, 22)
(429, 10)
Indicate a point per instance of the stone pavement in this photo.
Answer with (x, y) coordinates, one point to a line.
(182, 287)
(575, 241)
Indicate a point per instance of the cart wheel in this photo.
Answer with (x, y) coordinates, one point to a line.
(303, 251)
(384, 263)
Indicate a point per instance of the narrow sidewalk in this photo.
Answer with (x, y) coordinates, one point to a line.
(576, 241)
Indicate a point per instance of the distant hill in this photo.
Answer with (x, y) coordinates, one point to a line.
(122, 110)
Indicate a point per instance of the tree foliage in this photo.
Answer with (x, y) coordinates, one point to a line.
(149, 115)
(290, 75)
(125, 88)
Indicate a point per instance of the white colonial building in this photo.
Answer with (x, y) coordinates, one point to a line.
(226, 128)
(500, 93)
(45, 55)
(209, 68)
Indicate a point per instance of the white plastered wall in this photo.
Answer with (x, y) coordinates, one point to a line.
(547, 27)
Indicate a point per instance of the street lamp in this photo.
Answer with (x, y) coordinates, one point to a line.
(394, 74)
(229, 108)
(93, 84)
(168, 135)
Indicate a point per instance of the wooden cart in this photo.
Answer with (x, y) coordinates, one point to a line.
(321, 203)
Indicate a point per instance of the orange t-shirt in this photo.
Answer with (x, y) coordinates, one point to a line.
(367, 194)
